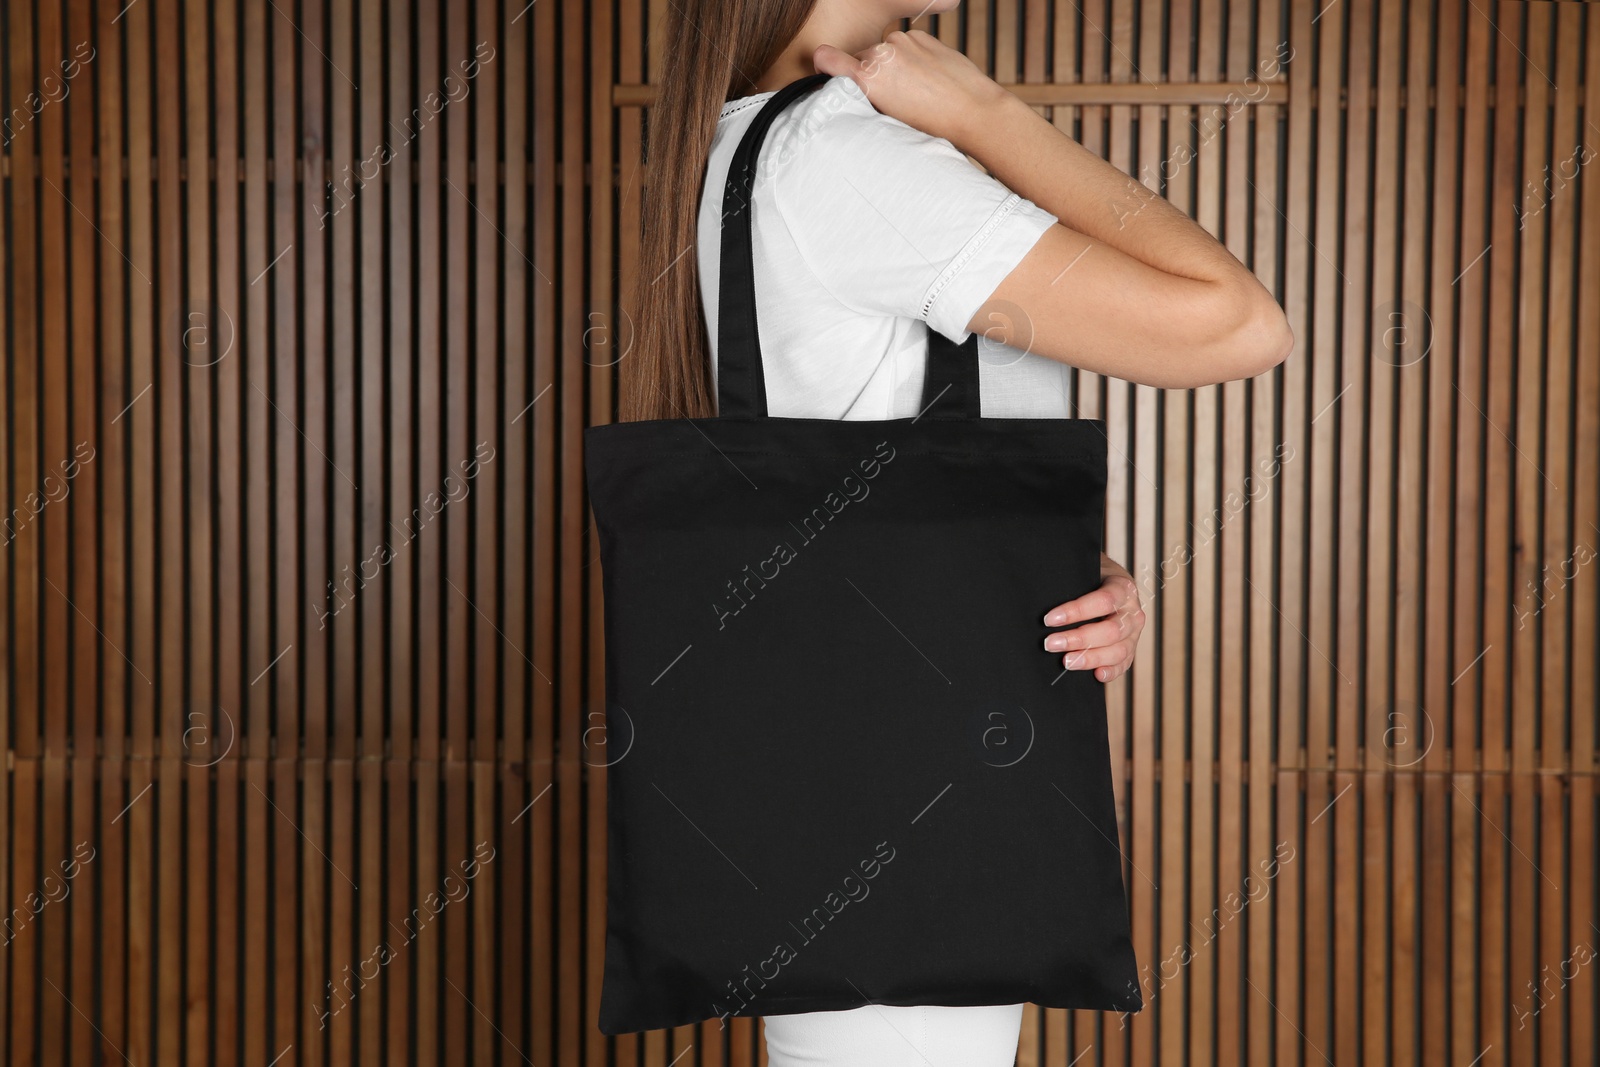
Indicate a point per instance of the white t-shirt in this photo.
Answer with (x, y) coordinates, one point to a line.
(864, 225)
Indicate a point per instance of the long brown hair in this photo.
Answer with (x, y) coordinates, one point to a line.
(715, 50)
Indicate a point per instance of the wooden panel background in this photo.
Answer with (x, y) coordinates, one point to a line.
(308, 301)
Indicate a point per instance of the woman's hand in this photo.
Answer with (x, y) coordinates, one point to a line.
(1108, 644)
(920, 80)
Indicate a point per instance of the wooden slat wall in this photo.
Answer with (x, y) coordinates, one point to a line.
(274, 796)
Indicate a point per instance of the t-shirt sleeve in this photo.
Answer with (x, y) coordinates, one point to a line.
(894, 221)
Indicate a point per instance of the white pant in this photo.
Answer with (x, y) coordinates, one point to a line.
(882, 1035)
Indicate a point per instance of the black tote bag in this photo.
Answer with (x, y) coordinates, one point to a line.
(842, 768)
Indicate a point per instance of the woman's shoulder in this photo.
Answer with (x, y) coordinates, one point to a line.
(831, 131)
(832, 142)
(835, 115)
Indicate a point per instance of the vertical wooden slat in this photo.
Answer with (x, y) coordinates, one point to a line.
(483, 324)
(257, 1033)
(253, 706)
(1359, 811)
(89, 620)
(1469, 1035)
(111, 432)
(1503, 914)
(488, 618)
(543, 416)
(1230, 128)
(1274, 451)
(253, 689)
(460, 617)
(1324, 683)
(1282, 604)
(23, 808)
(433, 596)
(1523, 429)
(200, 323)
(57, 616)
(568, 795)
(296, 664)
(1415, 925)
(305, 799)
(60, 619)
(431, 194)
(131, 804)
(512, 469)
(428, 944)
(488, 1044)
(1380, 985)
(335, 954)
(217, 745)
(376, 574)
(1583, 1003)
(1423, 551)
(404, 530)
(166, 912)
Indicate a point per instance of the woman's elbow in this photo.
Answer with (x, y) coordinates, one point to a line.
(1252, 336)
(1268, 339)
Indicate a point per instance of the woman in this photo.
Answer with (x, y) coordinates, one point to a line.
(871, 219)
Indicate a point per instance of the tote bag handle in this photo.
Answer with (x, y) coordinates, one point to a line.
(950, 387)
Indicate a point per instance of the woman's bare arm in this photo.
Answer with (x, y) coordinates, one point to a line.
(1125, 284)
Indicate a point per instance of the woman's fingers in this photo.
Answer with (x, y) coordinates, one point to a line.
(1107, 644)
(1116, 658)
(918, 79)
(1102, 601)
(1114, 593)
(1098, 634)
(836, 62)
(1116, 652)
